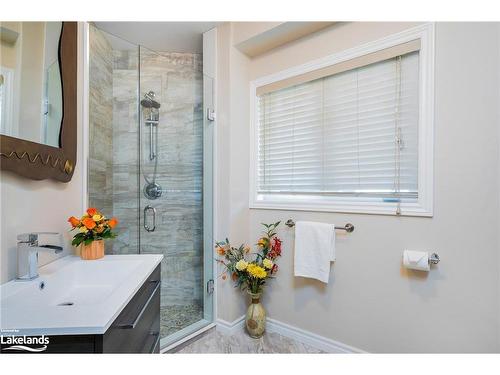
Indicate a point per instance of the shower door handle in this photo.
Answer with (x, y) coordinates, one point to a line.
(153, 210)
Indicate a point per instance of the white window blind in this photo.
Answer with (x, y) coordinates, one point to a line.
(354, 133)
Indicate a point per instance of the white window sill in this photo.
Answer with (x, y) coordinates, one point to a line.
(341, 205)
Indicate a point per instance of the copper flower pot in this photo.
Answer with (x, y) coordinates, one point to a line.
(92, 251)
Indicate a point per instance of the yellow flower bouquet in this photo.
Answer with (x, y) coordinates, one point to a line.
(250, 271)
(251, 274)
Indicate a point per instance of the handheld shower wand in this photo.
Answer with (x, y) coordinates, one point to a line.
(152, 190)
(149, 100)
(150, 103)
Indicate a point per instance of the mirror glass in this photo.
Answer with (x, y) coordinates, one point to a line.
(31, 104)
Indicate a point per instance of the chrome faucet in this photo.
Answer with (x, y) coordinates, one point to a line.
(28, 246)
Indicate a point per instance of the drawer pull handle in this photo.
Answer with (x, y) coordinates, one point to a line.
(139, 316)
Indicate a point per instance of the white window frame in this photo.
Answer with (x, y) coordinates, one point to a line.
(423, 206)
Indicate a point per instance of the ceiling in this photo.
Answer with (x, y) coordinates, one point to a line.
(158, 36)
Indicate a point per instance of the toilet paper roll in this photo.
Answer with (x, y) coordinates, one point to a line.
(416, 260)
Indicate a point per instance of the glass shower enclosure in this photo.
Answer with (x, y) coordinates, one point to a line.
(149, 164)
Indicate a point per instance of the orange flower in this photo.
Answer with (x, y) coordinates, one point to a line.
(220, 250)
(234, 276)
(91, 211)
(89, 223)
(112, 222)
(73, 221)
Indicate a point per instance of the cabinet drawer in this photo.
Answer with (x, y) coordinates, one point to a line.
(137, 325)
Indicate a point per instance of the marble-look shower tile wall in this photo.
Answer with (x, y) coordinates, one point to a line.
(100, 167)
(126, 150)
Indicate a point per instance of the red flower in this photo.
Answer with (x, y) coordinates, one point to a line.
(277, 245)
(274, 269)
(275, 248)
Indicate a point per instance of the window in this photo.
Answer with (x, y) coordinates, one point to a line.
(6, 95)
(347, 136)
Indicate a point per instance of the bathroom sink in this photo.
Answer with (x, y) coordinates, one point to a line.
(76, 284)
(74, 296)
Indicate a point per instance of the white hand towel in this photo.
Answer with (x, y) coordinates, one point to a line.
(314, 250)
(414, 257)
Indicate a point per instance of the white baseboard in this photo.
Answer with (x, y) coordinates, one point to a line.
(316, 341)
(230, 328)
(272, 325)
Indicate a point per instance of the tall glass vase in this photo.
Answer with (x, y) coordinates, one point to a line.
(255, 319)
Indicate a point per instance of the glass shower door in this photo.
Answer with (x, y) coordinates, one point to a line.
(171, 184)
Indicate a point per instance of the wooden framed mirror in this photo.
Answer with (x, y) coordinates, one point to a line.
(38, 99)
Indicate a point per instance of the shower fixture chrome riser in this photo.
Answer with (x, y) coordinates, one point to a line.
(152, 134)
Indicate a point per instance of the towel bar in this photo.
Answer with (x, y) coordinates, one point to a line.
(348, 227)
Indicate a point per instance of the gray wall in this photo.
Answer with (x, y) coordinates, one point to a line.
(370, 302)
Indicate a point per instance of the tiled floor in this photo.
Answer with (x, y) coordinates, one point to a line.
(214, 341)
(175, 317)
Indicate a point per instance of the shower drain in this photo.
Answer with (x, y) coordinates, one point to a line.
(65, 304)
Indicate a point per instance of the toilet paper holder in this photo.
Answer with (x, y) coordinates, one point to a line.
(434, 258)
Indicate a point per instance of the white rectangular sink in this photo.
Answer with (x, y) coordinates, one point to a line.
(74, 296)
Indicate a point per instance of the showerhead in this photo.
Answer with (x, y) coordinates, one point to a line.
(149, 101)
